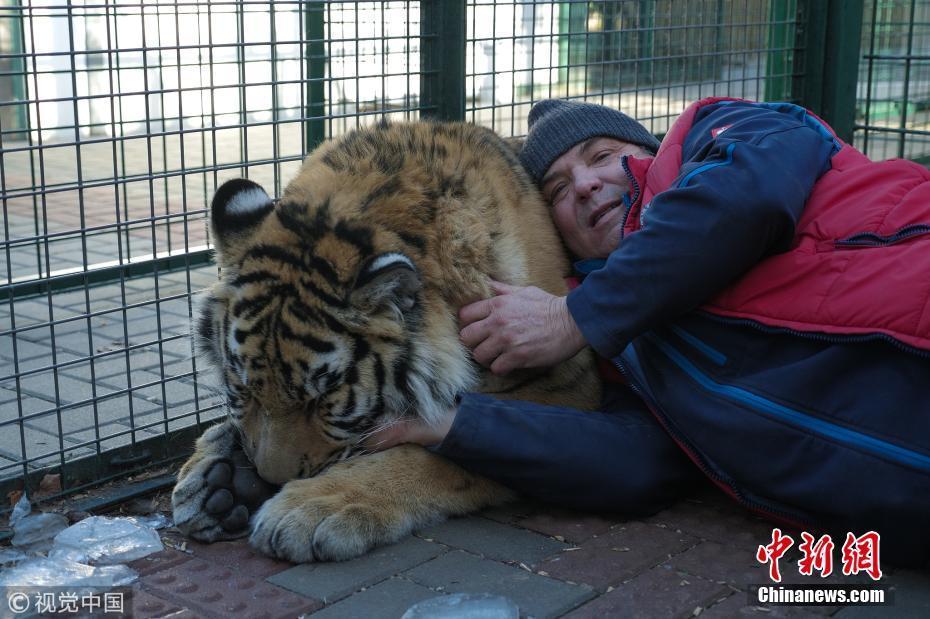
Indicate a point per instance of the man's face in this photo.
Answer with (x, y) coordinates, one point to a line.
(585, 187)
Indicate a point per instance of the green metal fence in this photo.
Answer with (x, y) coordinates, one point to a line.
(893, 95)
(118, 118)
(650, 58)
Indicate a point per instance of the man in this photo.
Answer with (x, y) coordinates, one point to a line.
(763, 288)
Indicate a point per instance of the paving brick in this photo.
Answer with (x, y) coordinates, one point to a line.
(188, 417)
(40, 386)
(200, 277)
(208, 383)
(740, 605)
(40, 447)
(144, 359)
(117, 408)
(621, 554)
(110, 333)
(76, 419)
(716, 521)
(72, 321)
(69, 389)
(144, 315)
(177, 348)
(236, 555)
(155, 562)
(26, 311)
(537, 596)
(176, 392)
(911, 598)
(659, 592)
(512, 511)
(105, 384)
(736, 565)
(494, 540)
(177, 370)
(147, 606)
(217, 591)
(332, 581)
(390, 598)
(574, 527)
(30, 355)
(72, 299)
(75, 341)
(30, 404)
(173, 323)
(105, 368)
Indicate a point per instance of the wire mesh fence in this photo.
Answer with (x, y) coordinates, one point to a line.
(118, 119)
(649, 58)
(893, 96)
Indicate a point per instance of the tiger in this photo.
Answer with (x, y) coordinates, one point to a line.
(335, 314)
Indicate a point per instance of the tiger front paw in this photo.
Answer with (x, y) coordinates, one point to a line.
(217, 491)
(310, 520)
(367, 501)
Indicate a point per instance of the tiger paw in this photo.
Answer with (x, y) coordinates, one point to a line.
(310, 521)
(217, 491)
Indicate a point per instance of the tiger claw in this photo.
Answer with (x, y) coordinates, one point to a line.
(217, 494)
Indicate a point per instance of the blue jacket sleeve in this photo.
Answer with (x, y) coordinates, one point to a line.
(737, 199)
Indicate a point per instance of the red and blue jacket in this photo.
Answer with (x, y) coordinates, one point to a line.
(770, 302)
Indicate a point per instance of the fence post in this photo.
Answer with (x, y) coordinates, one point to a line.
(442, 59)
(778, 59)
(830, 35)
(314, 28)
(646, 23)
(13, 75)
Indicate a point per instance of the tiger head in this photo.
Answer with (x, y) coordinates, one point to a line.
(322, 325)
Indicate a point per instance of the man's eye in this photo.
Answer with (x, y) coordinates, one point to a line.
(604, 154)
(557, 192)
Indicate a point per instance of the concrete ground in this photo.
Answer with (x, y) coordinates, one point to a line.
(695, 558)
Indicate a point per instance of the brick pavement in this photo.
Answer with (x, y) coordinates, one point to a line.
(693, 559)
(76, 367)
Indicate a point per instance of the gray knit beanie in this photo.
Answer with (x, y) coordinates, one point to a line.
(556, 125)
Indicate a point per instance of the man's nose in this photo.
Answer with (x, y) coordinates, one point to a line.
(587, 185)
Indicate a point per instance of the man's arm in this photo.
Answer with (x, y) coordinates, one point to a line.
(736, 201)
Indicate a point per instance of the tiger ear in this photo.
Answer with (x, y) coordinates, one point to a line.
(389, 281)
(238, 207)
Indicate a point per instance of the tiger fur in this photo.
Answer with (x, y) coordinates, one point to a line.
(335, 314)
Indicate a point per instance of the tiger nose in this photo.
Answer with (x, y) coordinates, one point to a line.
(274, 466)
(273, 474)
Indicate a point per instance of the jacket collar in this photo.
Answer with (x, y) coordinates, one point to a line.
(637, 170)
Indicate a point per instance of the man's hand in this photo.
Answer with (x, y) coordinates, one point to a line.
(412, 430)
(519, 328)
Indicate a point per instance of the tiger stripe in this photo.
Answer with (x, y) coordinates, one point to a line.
(337, 309)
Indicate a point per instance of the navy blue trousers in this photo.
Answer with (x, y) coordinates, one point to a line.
(617, 460)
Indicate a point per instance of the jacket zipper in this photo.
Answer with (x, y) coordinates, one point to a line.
(707, 166)
(793, 417)
(635, 184)
(870, 239)
(820, 337)
(727, 486)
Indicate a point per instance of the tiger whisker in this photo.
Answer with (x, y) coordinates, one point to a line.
(364, 436)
